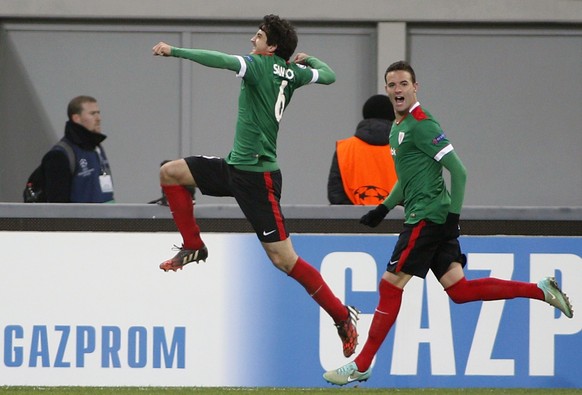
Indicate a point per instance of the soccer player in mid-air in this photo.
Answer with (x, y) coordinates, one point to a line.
(250, 173)
(431, 227)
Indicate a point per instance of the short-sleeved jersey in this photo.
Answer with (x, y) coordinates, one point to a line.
(418, 143)
(268, 83)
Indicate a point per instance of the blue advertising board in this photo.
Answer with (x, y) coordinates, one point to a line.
(434, 343)
(113, 318)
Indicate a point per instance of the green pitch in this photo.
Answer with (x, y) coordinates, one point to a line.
(279, 391)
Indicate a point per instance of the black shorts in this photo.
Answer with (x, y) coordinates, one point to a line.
(257, 194)
(421, 247)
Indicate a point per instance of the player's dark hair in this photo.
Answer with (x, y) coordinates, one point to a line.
(76, 105)
(403, 66)
(281, 33)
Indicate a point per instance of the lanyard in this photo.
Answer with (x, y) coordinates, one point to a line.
(102, 161)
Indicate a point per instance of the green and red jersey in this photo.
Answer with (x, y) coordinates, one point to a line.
(418, 146)
(268, 84)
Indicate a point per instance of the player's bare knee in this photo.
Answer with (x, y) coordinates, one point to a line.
(171, 172)
(280, 262)
(165, 177)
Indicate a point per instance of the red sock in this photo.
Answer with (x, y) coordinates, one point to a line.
(311, 280)
(182, 207)
(492, 289)
(384, 317)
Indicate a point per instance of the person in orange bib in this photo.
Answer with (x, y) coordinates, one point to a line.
(362, 169)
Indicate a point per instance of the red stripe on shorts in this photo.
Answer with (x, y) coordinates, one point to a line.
(411, 243)
(275, 206)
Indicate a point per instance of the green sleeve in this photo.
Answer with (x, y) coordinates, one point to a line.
(326, 74)
(453, 164)
(208, 58)
(395, 197)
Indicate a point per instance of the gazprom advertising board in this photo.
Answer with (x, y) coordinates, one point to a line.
(91, 308)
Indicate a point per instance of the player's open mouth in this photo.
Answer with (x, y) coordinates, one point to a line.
(399, 99)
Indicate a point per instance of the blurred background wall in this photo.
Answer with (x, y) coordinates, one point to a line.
(504, 80)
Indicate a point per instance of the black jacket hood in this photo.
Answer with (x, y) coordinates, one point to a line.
(374, 131)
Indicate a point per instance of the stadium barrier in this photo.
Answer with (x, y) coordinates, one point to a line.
(84, 302)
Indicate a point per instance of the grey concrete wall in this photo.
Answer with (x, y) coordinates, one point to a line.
(546, 11)
(506, 89)
(164, 108)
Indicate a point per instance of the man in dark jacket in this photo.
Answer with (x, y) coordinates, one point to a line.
(91, 180)
(362, 170)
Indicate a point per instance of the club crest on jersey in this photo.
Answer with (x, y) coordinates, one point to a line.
(439, 138)
(400, 137)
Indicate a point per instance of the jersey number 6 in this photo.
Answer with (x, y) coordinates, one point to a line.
(280, 104)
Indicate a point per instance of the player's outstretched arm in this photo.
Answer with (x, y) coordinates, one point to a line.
(204, 57)
(326, 75)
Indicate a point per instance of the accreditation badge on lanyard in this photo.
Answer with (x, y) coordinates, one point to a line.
(105, 180)
(106, 183)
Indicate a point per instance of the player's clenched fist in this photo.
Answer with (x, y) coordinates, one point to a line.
(300, 58)
(375, 216)
(162, 49)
